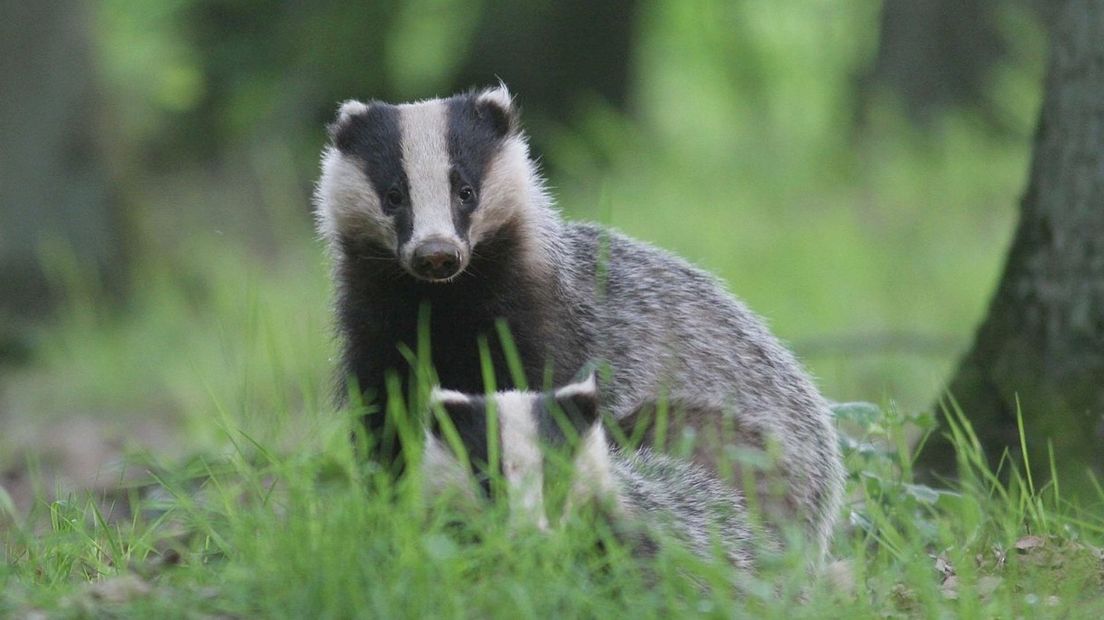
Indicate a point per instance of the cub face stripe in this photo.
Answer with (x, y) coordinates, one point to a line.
(522, 458)
(469, 418)
(575, 405)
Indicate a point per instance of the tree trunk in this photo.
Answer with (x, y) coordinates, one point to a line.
(53, 181)
(941, 54)
(1043, 339)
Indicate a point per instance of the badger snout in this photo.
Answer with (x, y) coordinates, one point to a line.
(437, 259)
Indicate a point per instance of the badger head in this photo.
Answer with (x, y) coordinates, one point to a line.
(424, 183)
(531, 427)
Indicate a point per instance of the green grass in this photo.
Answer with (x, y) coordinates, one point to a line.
(307, 534)
(263, 511)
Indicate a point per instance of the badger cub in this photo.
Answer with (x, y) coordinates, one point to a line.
(649, 498)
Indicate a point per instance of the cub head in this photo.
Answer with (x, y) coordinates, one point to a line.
(423, 183)
(531, 425)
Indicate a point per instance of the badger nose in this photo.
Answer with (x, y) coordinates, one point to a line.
(437, 259)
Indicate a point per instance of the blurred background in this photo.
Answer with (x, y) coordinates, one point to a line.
(851, 169)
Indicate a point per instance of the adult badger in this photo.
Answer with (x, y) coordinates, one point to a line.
(438, 203)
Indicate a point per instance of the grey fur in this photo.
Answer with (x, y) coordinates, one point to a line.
(649, 498)
(661, 498)
(668, 331)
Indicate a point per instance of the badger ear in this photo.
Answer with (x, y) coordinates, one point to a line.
(348, 110)
(579, 400)
(457, 406)
(496, 106)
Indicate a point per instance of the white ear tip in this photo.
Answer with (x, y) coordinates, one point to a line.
(588, 386)
(349, 108)
(442, 396)
(497, 94)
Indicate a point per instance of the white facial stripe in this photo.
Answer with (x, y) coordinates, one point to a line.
(424, 129)
(505, 189)
(593, 471)
(522, 459)
(347, 203)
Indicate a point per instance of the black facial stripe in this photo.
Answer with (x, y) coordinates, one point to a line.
(461, 213)
(552, 416)
(475, 133)
(375, 138)
(470, 420)
(404, 225)
(549, 428)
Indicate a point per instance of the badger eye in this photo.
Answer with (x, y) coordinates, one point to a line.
(394, 197)
(466, 193)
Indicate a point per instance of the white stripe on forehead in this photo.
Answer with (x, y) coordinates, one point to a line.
(522, 459)
(424, 128)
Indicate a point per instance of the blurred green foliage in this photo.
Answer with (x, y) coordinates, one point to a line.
(743, 144)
